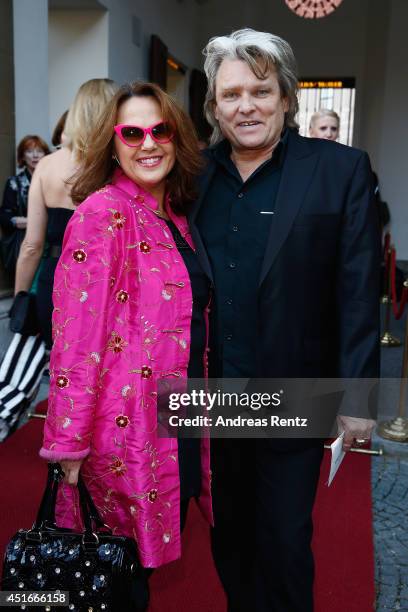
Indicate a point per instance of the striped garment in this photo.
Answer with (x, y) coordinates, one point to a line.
(20, 376)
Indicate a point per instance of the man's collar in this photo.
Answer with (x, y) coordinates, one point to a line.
(221, 152)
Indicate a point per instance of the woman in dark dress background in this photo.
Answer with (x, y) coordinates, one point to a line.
(49, 203)
(13, 211)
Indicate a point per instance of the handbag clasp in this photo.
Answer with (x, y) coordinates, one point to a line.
(90, 541)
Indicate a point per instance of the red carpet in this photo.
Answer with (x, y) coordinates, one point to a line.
(343, 538)
(342, 542)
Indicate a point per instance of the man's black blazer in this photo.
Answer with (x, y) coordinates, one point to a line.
(318, 294)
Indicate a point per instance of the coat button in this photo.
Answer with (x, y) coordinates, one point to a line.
(232, 265)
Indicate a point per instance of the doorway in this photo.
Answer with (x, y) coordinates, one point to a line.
(177, 82)
(335, 93)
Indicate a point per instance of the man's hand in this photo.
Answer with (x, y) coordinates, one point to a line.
(71, 471)
(354, 428)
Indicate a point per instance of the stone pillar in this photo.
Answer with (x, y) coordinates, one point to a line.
(31, 67)
(7, 130)
(7, 127)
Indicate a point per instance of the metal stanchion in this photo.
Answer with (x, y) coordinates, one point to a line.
(387, 339)
(387, 239)
(397, 429)
(362, 451)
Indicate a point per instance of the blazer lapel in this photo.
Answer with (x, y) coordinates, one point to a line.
(297, 172)
(192, 216)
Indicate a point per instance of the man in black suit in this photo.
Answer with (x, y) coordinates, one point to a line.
(286, 228)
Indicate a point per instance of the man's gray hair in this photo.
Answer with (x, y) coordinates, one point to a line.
(262, 52)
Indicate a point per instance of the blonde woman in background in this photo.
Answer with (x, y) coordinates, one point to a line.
(50, 205)
(325, 123)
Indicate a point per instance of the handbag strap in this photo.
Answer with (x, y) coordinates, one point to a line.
(91, 509)
(46, 511)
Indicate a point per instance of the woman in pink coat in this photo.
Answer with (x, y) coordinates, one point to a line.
(130, 309)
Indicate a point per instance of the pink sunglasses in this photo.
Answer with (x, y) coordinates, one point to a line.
(134, 136)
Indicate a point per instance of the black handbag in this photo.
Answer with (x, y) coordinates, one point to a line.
(101, 571)
(23, 314)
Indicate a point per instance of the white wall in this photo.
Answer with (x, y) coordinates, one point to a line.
(78, 51)
(393, 145)
(7, 129)
(174, 21)
(30, 27)
(378, 36)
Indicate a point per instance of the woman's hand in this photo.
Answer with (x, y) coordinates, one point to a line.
(20, 222)
(71, 471)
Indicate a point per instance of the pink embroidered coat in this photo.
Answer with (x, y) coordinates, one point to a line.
(121, 321)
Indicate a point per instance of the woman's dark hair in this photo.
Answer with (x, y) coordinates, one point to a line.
(31, 140)
(59, 128)
(98, 166)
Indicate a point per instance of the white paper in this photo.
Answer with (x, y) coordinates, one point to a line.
(337, 457)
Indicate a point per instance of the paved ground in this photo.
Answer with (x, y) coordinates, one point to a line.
(390, 501)
(390, 508)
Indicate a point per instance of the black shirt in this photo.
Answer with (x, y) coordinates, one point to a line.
(234, 222)
(189, 448)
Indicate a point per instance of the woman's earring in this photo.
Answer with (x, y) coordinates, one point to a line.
(115, 158)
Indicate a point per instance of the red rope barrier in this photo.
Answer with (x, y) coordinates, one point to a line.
(398, 309)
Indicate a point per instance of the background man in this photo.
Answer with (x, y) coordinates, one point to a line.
(286, 228)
